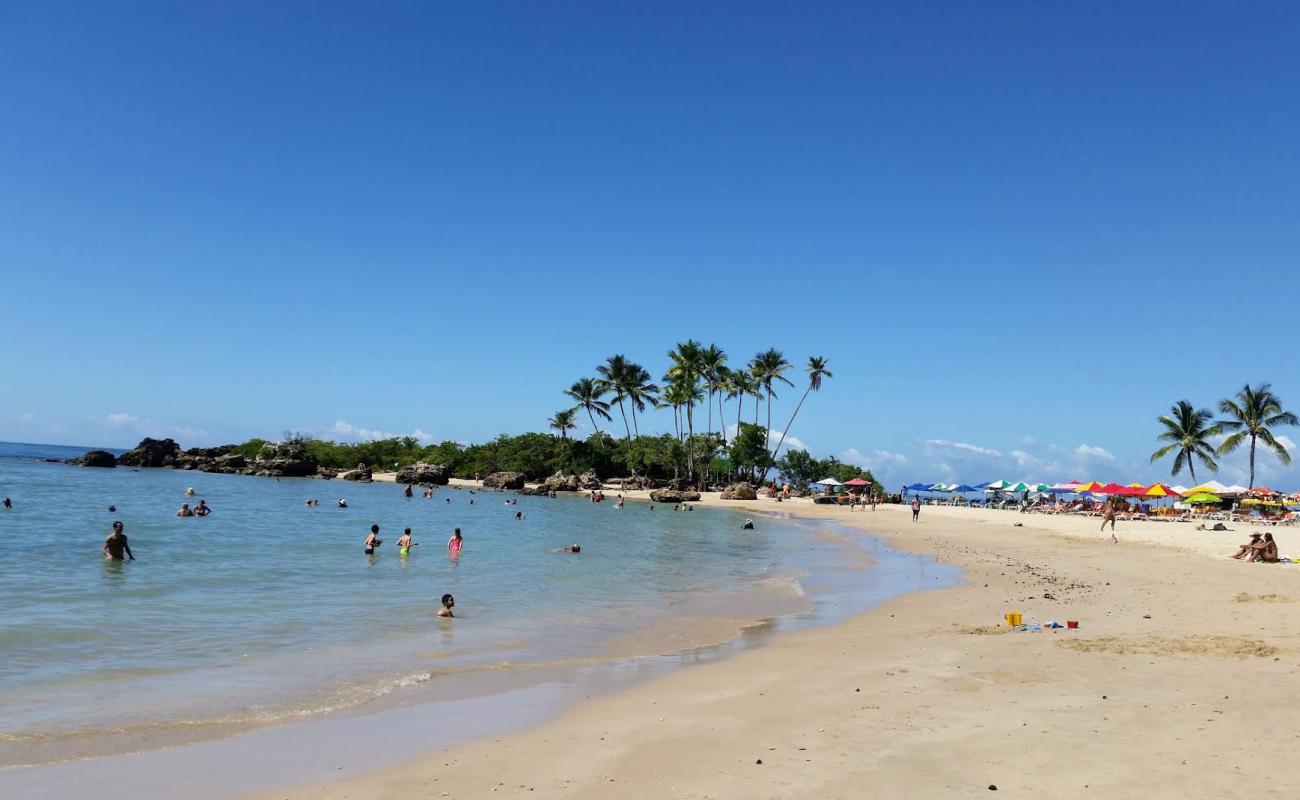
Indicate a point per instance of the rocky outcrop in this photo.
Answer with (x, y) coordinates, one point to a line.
(361, 474)
(504, 480)
(326, 473)
(96, 458)
(152, 453)
(539, 490)
(589, 480)
(284, 460)
(425, 474)
(740, 491)
(674, 496)
(559, 482)
(634, 483)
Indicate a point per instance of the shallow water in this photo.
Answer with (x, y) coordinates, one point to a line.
(268, 611)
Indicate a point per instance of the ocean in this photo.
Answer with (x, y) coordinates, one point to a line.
(267, 611)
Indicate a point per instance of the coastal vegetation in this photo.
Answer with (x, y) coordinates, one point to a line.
(1249, 417)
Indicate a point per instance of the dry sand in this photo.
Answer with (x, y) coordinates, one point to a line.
(1181, 682)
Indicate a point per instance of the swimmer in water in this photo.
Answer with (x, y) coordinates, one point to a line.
(449, 499)
(404, 543)
(343, 503)
(749, 525)
(447, 603)
(189, 492)
(407, 492)
(112, 509)
(185, 511)
(8, 503)
(573, 548)
(455, 543)
(115, 545)
(519, 515)
(373, 540)
(202, 509)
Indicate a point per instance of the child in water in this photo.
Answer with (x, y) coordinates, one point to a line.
(404, 543)
(454, 544)
(373, 540)
(447, 603)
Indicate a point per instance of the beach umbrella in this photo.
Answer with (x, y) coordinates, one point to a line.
(918, 487)
(1262, 491)
(1018, 487)
(1204, 497)
(1067, 487)
(1256, 501)
(964, 488)
(1180, 489)
(1111, 488)
(997, 486)
(1091, 487)
(857, 482)
(829, 482)
(1160, 490)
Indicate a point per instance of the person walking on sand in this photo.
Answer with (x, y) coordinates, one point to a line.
(916, 507)
(1108, 515)
(115, 545)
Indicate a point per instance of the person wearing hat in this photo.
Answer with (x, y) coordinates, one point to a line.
(1246, 548)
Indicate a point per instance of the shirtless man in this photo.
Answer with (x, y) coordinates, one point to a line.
(447, 603)
(1108, 515)
(115, 545)
(185, 511)
(373, 540)
(1247, 548)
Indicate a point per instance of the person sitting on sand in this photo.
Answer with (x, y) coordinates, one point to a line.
(404, 543)
(448, 602)
(115, 545)
(185, 511)
(1246, 548)
(373, 540)
(1265, 551)
(202, 509)
(455, 543)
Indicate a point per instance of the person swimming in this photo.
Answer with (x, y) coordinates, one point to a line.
(343, 503)
(373, 540)
(448, 602)
(407, 491)
(449, 499)
(202, 509)
(189, 492)
(404, 543)
(185, 511)
(519, 515)
(573, 548)
(749, 525)
(9, 503)
(455, 543)
(112, 509)
(115, 545)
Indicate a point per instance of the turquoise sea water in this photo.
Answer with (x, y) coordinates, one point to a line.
(268, 610)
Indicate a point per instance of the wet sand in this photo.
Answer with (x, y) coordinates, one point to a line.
(1180, 682)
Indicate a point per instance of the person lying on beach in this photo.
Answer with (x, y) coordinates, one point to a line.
(202, 509)
(373, 540)
(115, 545)
(404, 543)
(455, 543)
(448, 602)
(573, 548)
(1246, 548)
(185, 511)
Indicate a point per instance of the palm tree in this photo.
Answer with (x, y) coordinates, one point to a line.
(713, 366)
(742, 383)
(768, 367)
(817, 372)
(613, 379)
(722, 385)
(563, 422)
(686, 370)
(1187, 431)
(638, 390)
(675, 395)
(1250, 416)
(587, 394)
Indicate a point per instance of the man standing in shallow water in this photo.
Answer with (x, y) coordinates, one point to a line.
(115, 545)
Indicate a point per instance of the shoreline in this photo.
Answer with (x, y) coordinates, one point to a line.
(1162, 692)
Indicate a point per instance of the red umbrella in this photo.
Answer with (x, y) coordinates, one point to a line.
(1111, 488)
(857, 482)
(1262, 491)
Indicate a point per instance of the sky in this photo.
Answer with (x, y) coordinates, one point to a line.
(1018, 231)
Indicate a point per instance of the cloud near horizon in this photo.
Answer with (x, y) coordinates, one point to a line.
(343, 431)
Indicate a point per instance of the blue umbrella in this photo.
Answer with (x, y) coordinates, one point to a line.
(965, 488)
(919, 487)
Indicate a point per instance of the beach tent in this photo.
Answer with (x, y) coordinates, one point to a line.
(1183, 490)
(1235, 490)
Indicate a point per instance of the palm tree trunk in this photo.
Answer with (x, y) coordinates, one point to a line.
(1192, 469)
(690, 451)
(722, 418)
(756, 407)
(635, 428)
(592, 417)
(740, 407)
(709, 403)
(781, 441)
(1252, 461)
(623, 411)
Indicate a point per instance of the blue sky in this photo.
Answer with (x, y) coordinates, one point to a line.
(1018, 231)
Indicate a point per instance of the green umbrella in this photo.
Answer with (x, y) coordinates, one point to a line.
(1019, 487)
(998, 485)
(1205, 497)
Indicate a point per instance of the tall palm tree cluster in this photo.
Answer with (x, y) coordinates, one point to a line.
(1248, 417)
(696, 376)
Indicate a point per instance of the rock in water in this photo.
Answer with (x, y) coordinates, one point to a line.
(666, 496)
(504, 480)
(559, 482)
(152, 453)
(740, 491)
(424, 474)
(96, 458)
(361, 473)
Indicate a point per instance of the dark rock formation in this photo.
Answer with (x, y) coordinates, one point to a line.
(674, 496)
(326, 473)
(589, 480)
(504, 480)
(152, 453)
(361, 473)
(284, 460)
(539, 490)
(740, 491)
(96, 458)
(425, 474)
(633, 483)
(559, 482)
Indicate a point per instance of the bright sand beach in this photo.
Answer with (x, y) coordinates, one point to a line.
(1178, 683)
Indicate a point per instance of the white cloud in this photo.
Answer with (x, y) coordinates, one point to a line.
(1086, 451)
(790, 443)
(119, 419)
(347, 432)
(944, 444)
